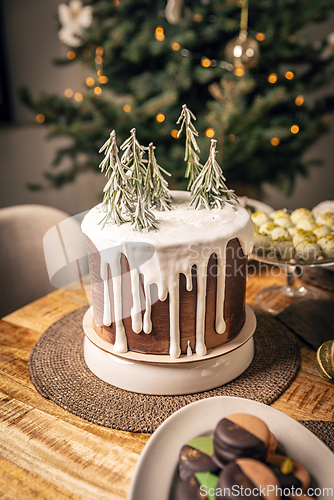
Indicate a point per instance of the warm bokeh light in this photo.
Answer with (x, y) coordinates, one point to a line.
(197, 18)
(299, 100)
(99, 72)
(70, 55)
(159, 33)
(99, 51)
(205, 62)
(68, 93)
(272, 78)
(78, 96)
(209, 132)
(98, 60)
(127, 108)
(289, 75)
(274, 141)
(103, 79)
(239, 72)
(90, 81)
(40, 118)
(260, 37)
(97, 90)
(160, 117)
(116, 3)
(231, 137)
(174, 133)
(294, 129)
(176, 46)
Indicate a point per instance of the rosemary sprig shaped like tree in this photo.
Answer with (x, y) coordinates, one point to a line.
(157, 192)
(209, 188)
(117, 192)
(133, 158)
(191, 149)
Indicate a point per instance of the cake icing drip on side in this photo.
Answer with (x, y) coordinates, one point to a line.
(186, 238)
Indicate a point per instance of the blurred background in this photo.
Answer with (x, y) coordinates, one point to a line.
(134, 63)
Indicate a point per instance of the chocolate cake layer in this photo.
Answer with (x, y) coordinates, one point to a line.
(157, 342)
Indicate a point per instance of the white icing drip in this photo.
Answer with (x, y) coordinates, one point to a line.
(201, 307)
(136, 307)
(189, 281)
(107, 304)
(189, 350)
(186, 237)
(220, 321)
(112, 258)
(174, 345)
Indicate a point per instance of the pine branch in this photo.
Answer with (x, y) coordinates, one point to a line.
(117, 200)
(157, 192)
(133, 158)
(191, 149)
(209, 188)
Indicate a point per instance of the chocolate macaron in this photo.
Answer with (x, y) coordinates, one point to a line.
(195, 456)
(241, 435)
(290, 473)
(247, 478)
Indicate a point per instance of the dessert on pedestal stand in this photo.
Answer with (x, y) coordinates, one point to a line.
(168, 272)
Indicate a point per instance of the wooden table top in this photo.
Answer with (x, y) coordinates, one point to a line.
(46, 452)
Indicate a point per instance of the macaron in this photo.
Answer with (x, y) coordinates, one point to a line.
(289, 473)
(195, 456)
(200, 486)
(240, 435)
(248, 478)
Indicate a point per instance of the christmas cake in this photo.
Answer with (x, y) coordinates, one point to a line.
(176, 290)
(168, 269)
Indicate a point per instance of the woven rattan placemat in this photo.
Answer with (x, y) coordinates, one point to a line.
(58, 371)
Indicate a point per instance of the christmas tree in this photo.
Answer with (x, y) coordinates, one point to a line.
(149, 59)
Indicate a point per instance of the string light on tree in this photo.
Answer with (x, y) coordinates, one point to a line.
(159, 33)
(210, 132)
(70, 55)
(239, 72)
(127, 108)
(260, 37)
(289, 75)
(103, 79)
(78, 96)
(274, 141)
(299, 101)
(294, 129)
(68, 93)
(231, 137)
(205, 62)
(243, 51)
(272, 78)
(197, 18)
(174, 133)
(90, 81)
(160, 117)
(176, 46)
(97, 90)
(40, 118)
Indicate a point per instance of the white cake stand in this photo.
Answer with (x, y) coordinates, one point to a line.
(162, 375)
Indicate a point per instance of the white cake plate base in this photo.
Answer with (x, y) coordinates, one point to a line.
(186, 375)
